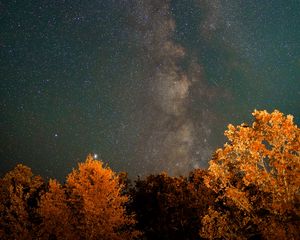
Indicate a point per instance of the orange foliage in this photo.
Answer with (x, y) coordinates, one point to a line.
(251, 190)
(256, 176)
(19, 190)
(57, 217)
(90, 206)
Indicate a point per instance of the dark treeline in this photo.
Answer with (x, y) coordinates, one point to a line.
(250, 191)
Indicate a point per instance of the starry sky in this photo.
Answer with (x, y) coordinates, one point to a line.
(148, 86)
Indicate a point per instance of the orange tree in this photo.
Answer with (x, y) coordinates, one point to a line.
(89, 206)
(19, 194)
(57, 217)
(256, 177)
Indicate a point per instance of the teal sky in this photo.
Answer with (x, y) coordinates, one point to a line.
(148, 86)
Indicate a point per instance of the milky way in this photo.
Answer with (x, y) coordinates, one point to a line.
(146, 86)
(172, 140)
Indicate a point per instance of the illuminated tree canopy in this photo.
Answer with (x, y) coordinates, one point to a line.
(251, 190)
(256, 175)
(89, 206)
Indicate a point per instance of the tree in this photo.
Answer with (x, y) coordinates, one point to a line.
(57, 216)
(89, 206)
(171, 207)
(256, 177)
(19, 194)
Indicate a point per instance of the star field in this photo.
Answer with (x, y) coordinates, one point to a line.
(147, 86)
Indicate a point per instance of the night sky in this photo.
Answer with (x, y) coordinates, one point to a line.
(148, 86)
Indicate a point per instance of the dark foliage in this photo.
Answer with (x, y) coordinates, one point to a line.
(171, 207)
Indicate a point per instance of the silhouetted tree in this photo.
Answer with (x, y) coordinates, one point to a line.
(171, 207)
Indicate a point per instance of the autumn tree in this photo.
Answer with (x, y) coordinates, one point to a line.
(58, 221)
(19, 194)
(256, 176)
(89, 206)
(170, 207)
